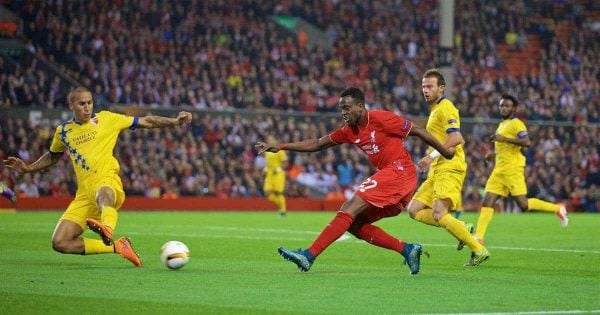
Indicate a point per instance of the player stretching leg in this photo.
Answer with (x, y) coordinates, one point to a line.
(89, 139)
(380, 135)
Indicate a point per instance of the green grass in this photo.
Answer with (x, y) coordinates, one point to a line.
(536, 266)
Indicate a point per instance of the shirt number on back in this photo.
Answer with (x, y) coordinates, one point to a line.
(367, 184)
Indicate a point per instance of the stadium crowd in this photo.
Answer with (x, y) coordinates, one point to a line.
(214, 157)
(208, 54)
(225, 56)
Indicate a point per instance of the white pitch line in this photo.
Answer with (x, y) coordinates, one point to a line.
(198, 235)
(533, 249)
(522, 313)
(345, 238)
(235, 228)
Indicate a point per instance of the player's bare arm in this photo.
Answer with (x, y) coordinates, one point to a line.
(161, 122)
(454, 138)
(310, 145)
(446, 151)
(523, 142)
(45, 161)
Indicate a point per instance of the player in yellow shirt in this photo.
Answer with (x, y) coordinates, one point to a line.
(441, 192)
(274, 185)
(90, 138)
(508, 176)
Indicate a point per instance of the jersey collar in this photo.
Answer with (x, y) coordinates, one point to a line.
(75, 120)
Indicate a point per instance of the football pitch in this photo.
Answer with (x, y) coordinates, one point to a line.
(536, 267)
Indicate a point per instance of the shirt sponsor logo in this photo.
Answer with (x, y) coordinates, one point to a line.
(371, 148)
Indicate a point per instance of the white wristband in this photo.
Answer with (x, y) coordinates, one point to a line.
(434, 154)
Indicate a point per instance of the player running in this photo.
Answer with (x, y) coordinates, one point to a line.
(441, 192)
(508, 176)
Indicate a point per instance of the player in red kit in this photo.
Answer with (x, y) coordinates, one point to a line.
(386, 193)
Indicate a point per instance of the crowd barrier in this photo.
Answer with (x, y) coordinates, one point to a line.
(180, 204)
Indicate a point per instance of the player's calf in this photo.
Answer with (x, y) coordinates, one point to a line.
(471, 228)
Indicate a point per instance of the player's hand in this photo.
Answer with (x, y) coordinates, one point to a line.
(184, 118)
(16, 165)
(263, 147)
(424, 163)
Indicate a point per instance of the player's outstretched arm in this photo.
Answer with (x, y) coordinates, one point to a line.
(19, 166)
(162, 122)
(310, 145)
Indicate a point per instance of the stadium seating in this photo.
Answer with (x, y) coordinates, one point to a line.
(203, 55)
(214, 157)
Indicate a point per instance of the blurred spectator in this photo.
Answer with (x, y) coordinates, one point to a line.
(203, 54)
(28, 188)
(174, 162)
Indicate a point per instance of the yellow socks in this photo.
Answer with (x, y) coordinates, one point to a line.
(272, 198)
(281, 203)
(93, 247)
(426, 216)
(109, 216)
(279, 200)
(485, 217)
(540, 205)
(458, 229)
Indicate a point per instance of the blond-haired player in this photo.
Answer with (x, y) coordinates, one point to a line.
(441, 192)
(508, 176)
(89, 138)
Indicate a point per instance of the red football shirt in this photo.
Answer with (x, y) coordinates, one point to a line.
(381, 138)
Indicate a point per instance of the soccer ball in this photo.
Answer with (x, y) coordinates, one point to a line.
(174, 254)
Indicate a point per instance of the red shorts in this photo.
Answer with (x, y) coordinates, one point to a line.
(388, 192)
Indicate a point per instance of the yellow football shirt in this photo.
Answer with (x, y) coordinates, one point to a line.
(508, 155)
(90, 145)
(443, 120)
(274, 161)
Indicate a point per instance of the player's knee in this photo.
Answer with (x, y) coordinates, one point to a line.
(351, 208)
(60, 245)
(105, 197)
(523, 206)
(412, 212)
(437, 216)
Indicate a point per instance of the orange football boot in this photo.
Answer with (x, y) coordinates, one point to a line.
(105, 231)
(123, 247)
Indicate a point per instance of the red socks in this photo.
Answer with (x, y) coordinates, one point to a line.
(332, 232)
(379, 237)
